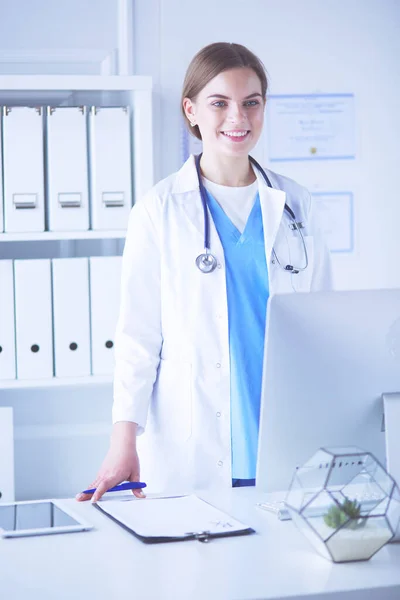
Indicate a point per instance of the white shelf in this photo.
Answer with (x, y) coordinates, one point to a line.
(61, 235)
(75, 82)
(11, 384)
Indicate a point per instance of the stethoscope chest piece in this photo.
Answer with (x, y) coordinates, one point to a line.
(206, 262)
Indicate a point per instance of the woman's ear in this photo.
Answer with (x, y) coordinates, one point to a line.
(188, 107)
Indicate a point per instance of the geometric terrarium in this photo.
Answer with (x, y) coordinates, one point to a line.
(345, 503)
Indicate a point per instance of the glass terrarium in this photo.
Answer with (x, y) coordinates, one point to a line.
(345, 503)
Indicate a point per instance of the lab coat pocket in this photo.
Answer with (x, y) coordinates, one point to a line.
(301, 282)
(172, 408)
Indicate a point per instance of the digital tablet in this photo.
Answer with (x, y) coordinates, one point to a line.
(39, 517)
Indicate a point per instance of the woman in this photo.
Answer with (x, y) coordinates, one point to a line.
(189, 343)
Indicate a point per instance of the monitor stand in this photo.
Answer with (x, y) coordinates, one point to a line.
(391, 408)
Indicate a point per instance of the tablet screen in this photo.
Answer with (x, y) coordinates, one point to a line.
(34, 515)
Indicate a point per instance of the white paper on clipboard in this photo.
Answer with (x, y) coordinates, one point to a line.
(172, 518)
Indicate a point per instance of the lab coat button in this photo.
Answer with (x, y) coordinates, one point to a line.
(218, 414)
(219, 266)
(220, 463)
(218, 365)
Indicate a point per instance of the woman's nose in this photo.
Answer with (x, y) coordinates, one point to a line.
(236, 114)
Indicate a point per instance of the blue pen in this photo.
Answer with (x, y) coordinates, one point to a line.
(129, 485)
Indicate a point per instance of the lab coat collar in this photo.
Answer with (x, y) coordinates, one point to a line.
(186, 178)
(272, 202)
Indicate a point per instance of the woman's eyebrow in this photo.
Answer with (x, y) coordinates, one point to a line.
(255, 94)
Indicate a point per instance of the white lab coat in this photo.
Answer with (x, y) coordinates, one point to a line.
(172, 350)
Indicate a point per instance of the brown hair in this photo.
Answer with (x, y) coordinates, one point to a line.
(213, 60)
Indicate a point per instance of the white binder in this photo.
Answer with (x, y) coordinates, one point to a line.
(1, 180)
(71, 317)
(105, 276)
(7, 485)
(33, 319)
(67, 171)
(23, 169)
(7, 325)
(110, 167)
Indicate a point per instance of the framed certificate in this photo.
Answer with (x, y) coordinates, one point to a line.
(310, 127)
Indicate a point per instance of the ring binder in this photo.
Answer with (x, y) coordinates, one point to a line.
(23, 169)
(67, 169)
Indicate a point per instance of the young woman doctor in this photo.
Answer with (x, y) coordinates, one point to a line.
(195, 284)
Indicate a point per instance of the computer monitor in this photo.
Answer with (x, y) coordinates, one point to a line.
(329, 357)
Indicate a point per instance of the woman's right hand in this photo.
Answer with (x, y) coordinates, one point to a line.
(120, 464)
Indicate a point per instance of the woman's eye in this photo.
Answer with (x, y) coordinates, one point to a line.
(222, 103)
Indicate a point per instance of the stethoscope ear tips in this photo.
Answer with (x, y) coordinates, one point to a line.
(206, 263)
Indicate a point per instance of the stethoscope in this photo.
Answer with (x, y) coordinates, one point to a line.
(207, 262)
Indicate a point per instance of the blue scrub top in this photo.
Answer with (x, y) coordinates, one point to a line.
(248, 291)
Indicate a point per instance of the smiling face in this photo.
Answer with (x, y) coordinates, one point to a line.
(229, 112)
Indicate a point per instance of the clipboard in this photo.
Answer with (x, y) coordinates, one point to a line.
(172, 519)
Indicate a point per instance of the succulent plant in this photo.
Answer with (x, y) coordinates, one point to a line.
(347, 513)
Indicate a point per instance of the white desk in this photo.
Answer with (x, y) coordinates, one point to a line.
(110, 563)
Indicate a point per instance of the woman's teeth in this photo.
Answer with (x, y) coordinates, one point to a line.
(235, 135)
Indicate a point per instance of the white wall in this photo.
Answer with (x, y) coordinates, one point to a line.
(307, 45)
(63, 24)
